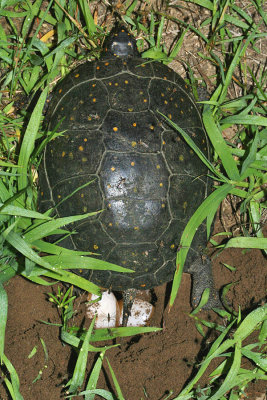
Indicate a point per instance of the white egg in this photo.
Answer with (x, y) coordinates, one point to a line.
(141, 313)
(106, 310)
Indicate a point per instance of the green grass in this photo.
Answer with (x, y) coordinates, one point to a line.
(31, 63)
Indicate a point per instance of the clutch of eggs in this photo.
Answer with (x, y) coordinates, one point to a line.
(109, 311)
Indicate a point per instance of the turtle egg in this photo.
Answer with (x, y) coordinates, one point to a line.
(109, 311)
(141, 313)
(106, 309)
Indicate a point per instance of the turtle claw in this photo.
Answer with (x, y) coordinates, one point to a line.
(128, 300)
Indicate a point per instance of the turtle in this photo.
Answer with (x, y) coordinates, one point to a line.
(143, 175)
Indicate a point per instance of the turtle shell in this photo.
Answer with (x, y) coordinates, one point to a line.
(142, 174)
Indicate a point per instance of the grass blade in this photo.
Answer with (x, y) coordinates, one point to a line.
(247, 243)
(219, 145)
(115, 381)
(65, 261)
(80, 367)
(29, 138)
(92, 382)
(3, 319)
(14, 387)
(207, 208)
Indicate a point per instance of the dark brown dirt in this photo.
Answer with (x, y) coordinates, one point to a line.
(153, 363)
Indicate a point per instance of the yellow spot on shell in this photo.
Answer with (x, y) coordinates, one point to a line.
(109, 186)
(126, 82)
(141, 92)
(94, 100)
(77, 75)
(172, 246)
(181, 157)
(60, 91)
(134, 124)
(163, 142)
(81, 148)
(82, 195)
(89, 118)
(165, 77)
(162, 94)
(84, 159)
(107, 63)
(134, 144)
(71, 155)
(74, 108)
(85, 209)
(81, 101)
(42, 193)
(72, 118)
(158, 166)
(115, 129)
(130, 109)
(110, 83)
(182, 99)
(145, 100)
(63, 154)
(143, 65)
(95, 246)
(185, 205)
(98, 67)
(112, 168)
(85, 139)
(162, 205)
(110, 224)
(169, 116)
(152, 127)
(93, 85)
(165, 102)
(132, 163)
(116, 84)
(181, 112)
(136, 228)
(59, 196)
(161, 184)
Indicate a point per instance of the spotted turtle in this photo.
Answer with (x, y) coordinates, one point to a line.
(143, 175)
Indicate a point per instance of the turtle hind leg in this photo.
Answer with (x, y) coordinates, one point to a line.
(128, 300)
(202, 278)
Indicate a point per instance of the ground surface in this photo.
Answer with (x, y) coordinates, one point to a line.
(154, 363)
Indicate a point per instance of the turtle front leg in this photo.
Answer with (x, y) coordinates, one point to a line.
(128, 300)
(201, 272)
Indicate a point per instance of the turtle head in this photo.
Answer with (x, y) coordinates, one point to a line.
(120, 44)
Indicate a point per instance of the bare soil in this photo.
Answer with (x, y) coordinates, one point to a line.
(147, 366)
